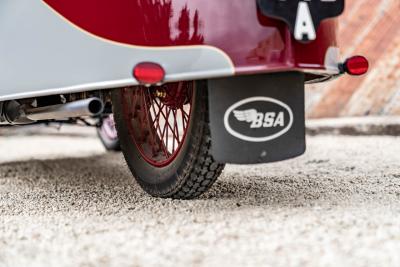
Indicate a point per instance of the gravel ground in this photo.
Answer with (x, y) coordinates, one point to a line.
(65, 202)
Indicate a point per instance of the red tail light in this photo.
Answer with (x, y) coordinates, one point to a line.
(149, 73)
(357, 65)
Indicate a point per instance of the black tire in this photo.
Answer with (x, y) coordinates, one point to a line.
(192, 172)
(109, 143)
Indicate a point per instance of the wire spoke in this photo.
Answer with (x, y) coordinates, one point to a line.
(158, 120)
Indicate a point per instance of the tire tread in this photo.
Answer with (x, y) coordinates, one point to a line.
(203, 174)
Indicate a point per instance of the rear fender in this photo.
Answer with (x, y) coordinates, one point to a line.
(253, 42)
(55, 47)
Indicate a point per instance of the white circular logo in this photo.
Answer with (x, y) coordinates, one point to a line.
(258, 119)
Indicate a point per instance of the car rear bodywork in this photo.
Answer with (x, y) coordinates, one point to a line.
(55, 47)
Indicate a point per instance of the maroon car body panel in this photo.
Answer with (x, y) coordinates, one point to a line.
(254, 43)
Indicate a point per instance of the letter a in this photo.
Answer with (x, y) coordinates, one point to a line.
(280, 120)
(304, 23)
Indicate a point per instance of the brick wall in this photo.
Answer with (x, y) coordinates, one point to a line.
(370, 28)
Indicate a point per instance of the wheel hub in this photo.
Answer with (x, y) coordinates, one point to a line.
(174, 95)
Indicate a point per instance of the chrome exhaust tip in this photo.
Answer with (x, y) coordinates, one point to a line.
(82, 108)
(18, 114)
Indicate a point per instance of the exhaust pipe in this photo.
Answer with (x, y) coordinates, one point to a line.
(18, 114)
(81, 108)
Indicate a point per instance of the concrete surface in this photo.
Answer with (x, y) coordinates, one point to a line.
(64, 202)
(374, 125)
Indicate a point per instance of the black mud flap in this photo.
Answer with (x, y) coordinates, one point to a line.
(258, 118)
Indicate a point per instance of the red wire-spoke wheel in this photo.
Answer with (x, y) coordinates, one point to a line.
(159, 119)
(165, 138)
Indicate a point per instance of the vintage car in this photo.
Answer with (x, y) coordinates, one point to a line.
(189, 84)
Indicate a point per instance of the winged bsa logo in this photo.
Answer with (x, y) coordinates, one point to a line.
(258, 119)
